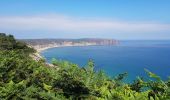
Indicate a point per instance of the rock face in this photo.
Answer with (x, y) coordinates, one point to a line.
(41, 44)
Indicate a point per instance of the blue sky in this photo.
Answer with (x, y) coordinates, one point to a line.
(119, 19)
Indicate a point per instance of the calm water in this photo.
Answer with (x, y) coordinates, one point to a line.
(128, 56)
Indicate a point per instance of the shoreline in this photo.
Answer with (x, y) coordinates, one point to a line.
(37, 55)
(41, 49)
(44, 44)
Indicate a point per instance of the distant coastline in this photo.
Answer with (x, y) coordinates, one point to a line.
(40, 49)
(44, 44)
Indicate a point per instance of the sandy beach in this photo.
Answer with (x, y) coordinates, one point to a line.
(41, 48)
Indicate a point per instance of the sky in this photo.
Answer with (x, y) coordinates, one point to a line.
(117, 19)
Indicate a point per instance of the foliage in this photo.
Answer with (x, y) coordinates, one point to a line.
(22, 78)
(8, 42)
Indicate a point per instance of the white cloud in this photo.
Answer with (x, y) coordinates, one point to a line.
(71, 24)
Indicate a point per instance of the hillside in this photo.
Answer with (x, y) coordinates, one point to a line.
(23, 78)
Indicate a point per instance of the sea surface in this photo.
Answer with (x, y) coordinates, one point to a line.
(128, 56)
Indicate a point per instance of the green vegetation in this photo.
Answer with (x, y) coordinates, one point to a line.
(8, 42)
(22, 78)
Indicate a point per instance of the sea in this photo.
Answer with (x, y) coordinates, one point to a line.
(131, 56)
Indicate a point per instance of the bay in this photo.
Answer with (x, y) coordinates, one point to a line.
(128, 56)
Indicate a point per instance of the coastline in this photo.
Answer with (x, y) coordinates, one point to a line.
(40, 49)
(37, 55)
(43, 44)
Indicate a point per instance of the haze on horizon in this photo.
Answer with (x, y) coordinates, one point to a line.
(117, 19)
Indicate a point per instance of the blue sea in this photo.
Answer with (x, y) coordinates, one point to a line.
(128, 56)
